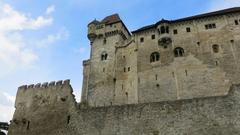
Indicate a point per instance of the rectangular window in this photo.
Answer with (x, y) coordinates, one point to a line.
(141, 39)
(236, 22)
(175, 32)
(188, 29)
(124, 69)
(128, 68)
(210, 26)
(153, 36)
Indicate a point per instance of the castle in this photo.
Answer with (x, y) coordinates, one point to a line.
(173, 77)
(187, 58)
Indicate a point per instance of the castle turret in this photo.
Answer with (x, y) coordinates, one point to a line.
(91, 30)
(99, 71)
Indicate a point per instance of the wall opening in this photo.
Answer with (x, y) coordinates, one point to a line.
(175, 32)
(215, 48)
(28, 125)
(153, 36)
(68, 119)
(236, 22)
(155, 56)
(104, 56)
(178, 52)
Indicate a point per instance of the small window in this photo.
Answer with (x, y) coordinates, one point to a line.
(163, 30)
(141, 39)
(104, 56)
(210, 26)
(167, 29)
(129, 69)
(236, 22)
(178, 52)
(155, 56)
(215, 48)
(153, 36)
(175, 32)
(124, 69)
(188, 29)
(104, 41)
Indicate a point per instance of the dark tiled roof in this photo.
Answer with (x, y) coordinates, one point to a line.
(111, 19)
(94, 22)
(211, 14)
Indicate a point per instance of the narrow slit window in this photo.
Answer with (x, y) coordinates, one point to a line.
(68, 119)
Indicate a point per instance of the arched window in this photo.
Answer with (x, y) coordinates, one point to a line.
(104, 56)
(215, 48)
(164, 29)
(178, 52)
(155, 56)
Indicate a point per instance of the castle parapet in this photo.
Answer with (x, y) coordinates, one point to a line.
(45, 84)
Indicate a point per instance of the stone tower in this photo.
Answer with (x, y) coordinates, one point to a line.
(99, 71)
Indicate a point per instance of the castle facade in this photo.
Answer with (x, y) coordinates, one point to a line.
(186, 58)
(178, 77)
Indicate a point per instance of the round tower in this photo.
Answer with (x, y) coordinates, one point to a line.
(91, 30)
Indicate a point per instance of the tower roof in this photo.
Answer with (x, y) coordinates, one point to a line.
(94, 22)
(111, 19)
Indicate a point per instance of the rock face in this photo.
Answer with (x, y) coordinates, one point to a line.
(56, 113)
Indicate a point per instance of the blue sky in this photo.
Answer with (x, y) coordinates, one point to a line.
(42, 41)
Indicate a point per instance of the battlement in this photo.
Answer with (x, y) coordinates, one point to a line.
(45, 84)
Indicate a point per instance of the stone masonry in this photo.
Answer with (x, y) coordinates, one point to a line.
(174, 77)
(170, 60)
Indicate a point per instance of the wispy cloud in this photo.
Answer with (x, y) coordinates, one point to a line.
(50, 10)
(62, 34)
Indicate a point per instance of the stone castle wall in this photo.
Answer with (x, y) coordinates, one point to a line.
(129, 76)
(201, 116)
(42, 109)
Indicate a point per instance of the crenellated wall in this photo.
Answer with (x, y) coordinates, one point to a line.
(41, 108)
(200, 116)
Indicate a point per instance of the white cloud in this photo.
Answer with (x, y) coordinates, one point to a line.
(52, 38)
(50, 9)
(6, 106)
(222, 4)
(13, 50)
(12, 20)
